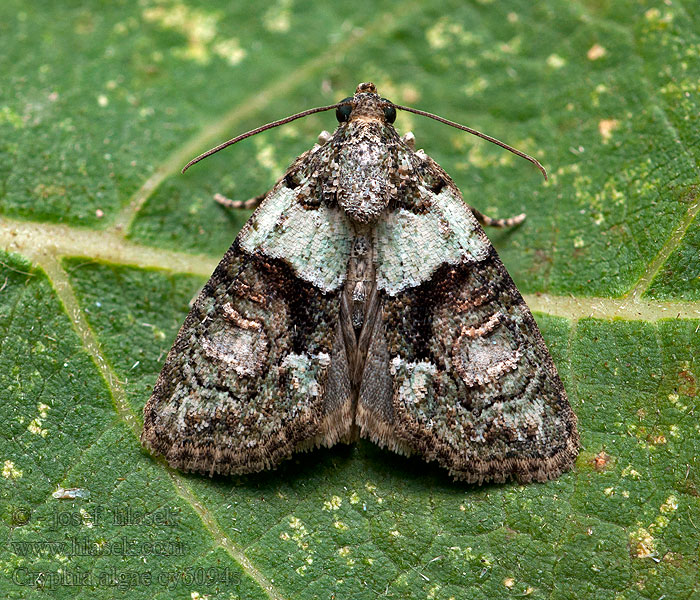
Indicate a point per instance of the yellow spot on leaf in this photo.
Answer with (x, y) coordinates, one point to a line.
(628, 471)
(642, 543)
(475, 86)
(606, 127)
(35, 425)
(410, 94)
(230, 50)
(7, 115)
(295, 523)
(333, 504)
(657, 20)
(278, 17)
(509, 582)
(595, 52)
(670, 505)
(555, 61)
(660, 522)
(199, 27)
(9, 471)
(265, 157)
(447, 32)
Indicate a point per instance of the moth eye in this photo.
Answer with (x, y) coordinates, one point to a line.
(342, 113)
(389, 111)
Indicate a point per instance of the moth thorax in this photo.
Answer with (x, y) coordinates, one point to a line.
(363, 209)
(363, 186)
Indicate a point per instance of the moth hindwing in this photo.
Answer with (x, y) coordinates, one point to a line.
(362, 299)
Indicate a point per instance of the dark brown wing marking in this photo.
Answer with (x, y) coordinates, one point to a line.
(258, 371)
(473, 385)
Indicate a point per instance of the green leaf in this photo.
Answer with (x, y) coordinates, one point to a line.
(105, 243)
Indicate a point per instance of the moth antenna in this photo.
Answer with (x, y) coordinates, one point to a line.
(488, 138)
(260, 129)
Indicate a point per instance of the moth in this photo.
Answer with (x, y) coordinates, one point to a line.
(363, 299)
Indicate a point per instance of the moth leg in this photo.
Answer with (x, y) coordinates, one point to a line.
(251, 204)
(487, 221)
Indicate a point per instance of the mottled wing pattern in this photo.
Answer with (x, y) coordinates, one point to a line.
(458, 371)
(362, 295)
(258, 369)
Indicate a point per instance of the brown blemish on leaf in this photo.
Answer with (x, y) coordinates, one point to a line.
(675, 559)
(656, 439)
(595, 52)
(690, 488)
(47, 191)
(600, 461)
(688, 388)
(543, 261)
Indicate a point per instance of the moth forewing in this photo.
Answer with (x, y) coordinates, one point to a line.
(363, 298)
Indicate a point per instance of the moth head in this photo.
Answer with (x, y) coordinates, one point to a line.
(366, 105)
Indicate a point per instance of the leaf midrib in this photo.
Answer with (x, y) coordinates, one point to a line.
(43, 241)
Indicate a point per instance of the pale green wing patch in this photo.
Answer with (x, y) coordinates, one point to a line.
(411, 246)
(314, 242)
